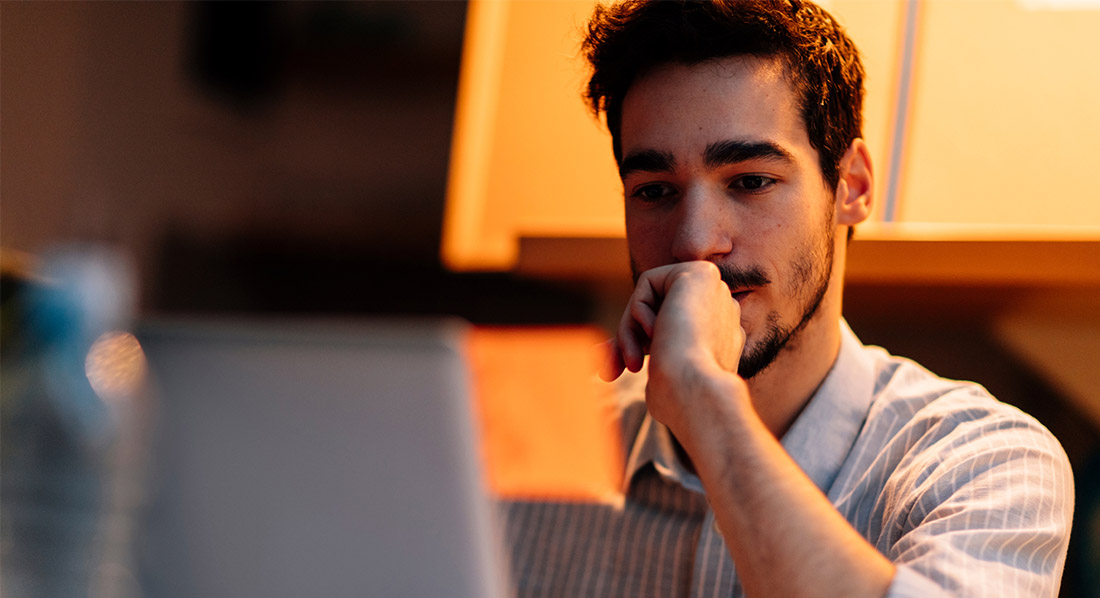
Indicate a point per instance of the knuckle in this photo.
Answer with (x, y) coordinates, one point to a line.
(705, 269)
(711, 268)
(701, 271)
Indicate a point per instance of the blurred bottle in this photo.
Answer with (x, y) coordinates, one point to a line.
(70, 377)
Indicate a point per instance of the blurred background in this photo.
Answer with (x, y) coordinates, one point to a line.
(259, 157)
(429, 158)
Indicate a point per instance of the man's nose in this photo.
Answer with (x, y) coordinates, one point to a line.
(702, 228)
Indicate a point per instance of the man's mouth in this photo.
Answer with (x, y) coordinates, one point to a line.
(742, 282)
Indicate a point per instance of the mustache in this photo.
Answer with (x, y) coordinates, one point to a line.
(734, 277)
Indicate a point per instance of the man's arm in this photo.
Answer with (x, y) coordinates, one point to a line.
(981, 497)
(785, 537)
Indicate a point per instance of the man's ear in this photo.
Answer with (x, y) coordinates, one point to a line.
(856, 189)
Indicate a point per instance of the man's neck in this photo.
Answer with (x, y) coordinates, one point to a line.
(781, 390)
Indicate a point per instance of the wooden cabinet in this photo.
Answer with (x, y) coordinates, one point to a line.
(981, 115)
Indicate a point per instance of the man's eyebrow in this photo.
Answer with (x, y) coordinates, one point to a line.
(646, 161)
(722, 153)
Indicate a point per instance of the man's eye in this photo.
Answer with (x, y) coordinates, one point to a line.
(753, 183)
(652, 192)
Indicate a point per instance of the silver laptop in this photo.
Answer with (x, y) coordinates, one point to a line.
(314, 459)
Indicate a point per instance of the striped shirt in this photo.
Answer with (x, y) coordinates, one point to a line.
(965, 495)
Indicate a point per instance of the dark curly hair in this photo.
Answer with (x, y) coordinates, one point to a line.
(626, 40)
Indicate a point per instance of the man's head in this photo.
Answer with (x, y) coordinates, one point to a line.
(736, 129)
(821, 63)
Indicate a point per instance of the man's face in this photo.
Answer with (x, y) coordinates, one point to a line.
(717, 166)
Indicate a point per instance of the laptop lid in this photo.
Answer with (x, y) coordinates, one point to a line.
(315, 459)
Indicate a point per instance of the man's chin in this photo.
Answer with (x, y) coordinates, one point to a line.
(760, 354)
(752, 365)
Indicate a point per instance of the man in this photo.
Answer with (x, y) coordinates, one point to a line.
(773, 454)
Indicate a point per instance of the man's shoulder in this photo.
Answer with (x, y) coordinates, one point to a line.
(925, 412)
(907, 392)
(927, 438)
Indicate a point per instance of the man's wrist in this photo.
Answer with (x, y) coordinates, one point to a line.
(720, 406)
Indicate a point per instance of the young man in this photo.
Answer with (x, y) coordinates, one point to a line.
(771, 454)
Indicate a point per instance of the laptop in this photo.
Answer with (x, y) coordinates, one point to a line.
(314, 459)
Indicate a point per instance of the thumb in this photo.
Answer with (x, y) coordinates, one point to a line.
(612, 362)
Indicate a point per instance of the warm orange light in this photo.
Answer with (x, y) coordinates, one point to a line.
(527, 158)
(115, 366)
(987, 131)
(549, 425)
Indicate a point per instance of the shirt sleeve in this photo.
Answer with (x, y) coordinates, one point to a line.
(984, 510)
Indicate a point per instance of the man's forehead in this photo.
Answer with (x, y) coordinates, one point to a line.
(741, 98)
(760, 70)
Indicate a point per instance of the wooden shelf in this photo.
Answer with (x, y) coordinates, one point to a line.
(911, 254)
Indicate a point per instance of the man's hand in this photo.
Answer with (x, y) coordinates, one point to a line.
(784, 535)
(684, 317)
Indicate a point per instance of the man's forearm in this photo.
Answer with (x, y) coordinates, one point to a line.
(783, 534)
(785, 537)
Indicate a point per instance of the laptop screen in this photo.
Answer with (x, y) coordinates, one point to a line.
(325, 459)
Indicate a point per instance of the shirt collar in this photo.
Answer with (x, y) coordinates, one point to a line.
(819, 440)
(823, 435)
(654, 445)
